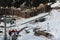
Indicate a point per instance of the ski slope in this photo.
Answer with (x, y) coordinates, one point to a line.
(52, 25)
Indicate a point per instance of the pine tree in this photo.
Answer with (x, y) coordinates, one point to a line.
(5, 3)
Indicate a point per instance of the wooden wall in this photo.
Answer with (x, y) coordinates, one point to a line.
(16, 12)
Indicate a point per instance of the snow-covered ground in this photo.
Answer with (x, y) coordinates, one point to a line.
(57, 4)
(52, 25)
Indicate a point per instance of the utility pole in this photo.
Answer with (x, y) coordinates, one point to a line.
(5, 35)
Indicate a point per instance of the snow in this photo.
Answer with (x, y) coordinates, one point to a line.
(52, 22)
(1, 24)
(57, 4)
(52, 25)
(32, 18)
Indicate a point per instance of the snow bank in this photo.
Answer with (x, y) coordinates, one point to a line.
(57, 4)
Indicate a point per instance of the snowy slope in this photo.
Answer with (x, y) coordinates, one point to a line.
(57, 4)
(54, 27)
